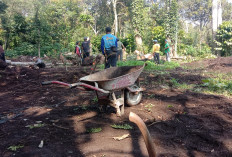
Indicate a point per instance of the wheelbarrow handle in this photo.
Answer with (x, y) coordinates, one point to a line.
(46, 82)
(56, 82)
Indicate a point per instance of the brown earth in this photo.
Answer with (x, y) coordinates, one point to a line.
(220, 64)
(181, 122)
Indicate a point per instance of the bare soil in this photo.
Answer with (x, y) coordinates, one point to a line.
(181, 122)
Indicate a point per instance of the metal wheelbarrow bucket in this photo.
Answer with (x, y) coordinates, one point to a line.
(124, 79)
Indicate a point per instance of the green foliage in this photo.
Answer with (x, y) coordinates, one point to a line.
(85, 18)
(96, 44)
(174, 82)
(93, 130)
(23, 49)
(129, 43)
(195, 51)
(218, 85)
(148, 107)
(200, 10)
(224, 39)
(171, 20)
(35, 126)
(95, 99)
(150, 65)
(122, 126)
(3, 7)
(137, 12)
(158, 33)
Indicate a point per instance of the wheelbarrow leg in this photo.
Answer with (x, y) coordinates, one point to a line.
(118, 104)
(122, 106)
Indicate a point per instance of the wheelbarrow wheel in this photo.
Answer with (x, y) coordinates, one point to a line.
(132, 98)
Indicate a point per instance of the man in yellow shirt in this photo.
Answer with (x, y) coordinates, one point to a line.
(156, 50)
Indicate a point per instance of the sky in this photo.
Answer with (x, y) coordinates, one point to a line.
(230, 1)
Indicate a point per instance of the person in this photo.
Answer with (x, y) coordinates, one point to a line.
(2, 53)
(120, 47)
(109, 48)
(156, 50)
(86, 47)
(78, 52)
(167, 50)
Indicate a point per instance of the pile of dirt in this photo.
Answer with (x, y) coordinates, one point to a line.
(220, 64)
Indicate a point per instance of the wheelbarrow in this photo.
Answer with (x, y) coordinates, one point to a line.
(108, 81)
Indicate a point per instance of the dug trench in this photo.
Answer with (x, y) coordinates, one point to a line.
(181, 122)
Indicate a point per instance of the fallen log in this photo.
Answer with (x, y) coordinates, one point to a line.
(25, 63)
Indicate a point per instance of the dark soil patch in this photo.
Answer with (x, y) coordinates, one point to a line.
(181, 123)
(220, 64)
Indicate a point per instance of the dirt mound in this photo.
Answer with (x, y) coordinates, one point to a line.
(220, 64)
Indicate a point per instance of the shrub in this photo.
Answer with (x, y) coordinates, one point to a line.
(96, 44)
(129, 43)
(224, 39)
(25, 49)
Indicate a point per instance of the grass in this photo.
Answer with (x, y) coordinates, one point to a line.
(15, 148)
(81, 108)
(122, 126)
(95, 99)
(35, 126)
(186, 86)
(93, 130)
(148, 107)
(217, 85)
(174, 82)
(150, 65)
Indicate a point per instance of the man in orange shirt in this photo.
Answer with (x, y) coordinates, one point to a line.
(156, 50)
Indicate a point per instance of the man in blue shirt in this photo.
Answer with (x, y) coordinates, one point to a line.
(109, 48)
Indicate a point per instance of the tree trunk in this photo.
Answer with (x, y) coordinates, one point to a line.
(39, 43)
(138, 41)
(175, 51)
(115, 16)
(216, 17)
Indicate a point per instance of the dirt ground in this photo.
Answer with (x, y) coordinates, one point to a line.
(181, 122)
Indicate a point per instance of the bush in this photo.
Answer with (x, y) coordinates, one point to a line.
(129, 43)
(11, 53)
(23, 49)
(194, 51)
(159, 34)
(96, 44)
(224, 39)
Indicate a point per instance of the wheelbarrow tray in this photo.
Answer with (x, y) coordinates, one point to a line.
(115, 78)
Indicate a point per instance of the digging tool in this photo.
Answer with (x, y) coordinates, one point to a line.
(146, 135)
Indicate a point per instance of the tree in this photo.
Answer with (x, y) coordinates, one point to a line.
(171, 23)
(198, 11)
(216, 14)
(224, 39)
(137, 13)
